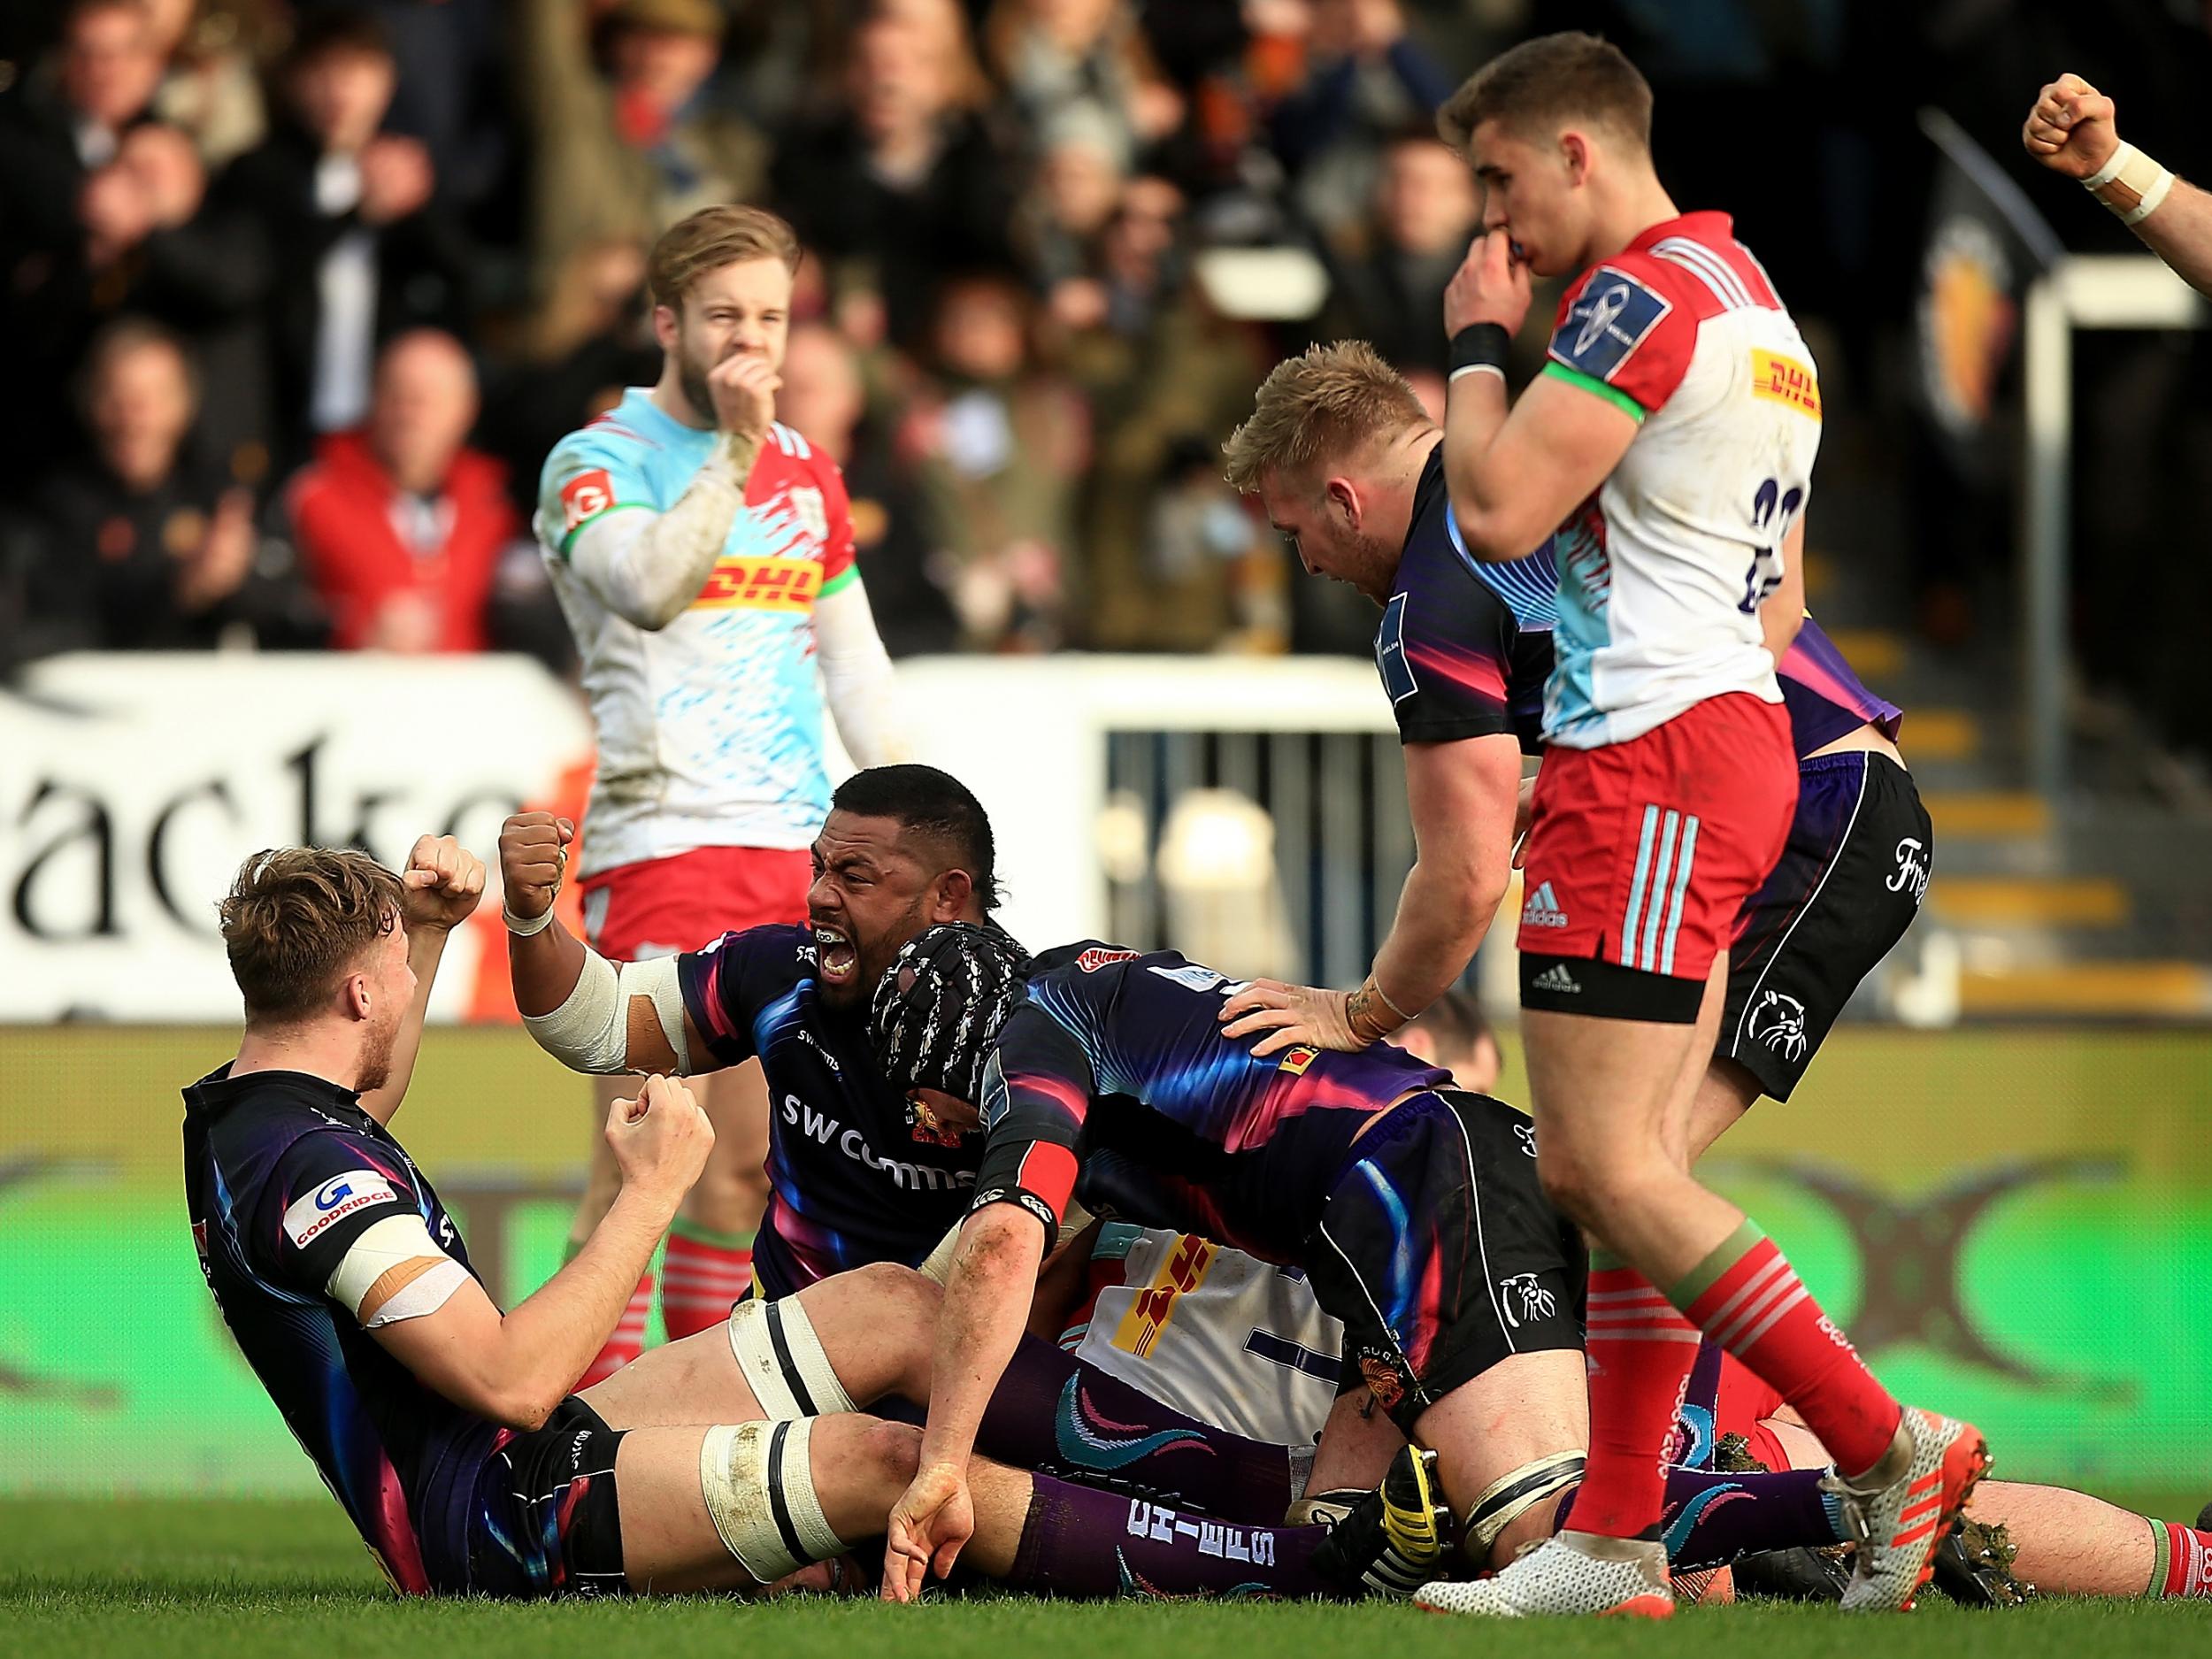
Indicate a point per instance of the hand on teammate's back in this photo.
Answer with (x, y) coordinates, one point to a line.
(660, 1139)
(440, 885)
(744, 387)
(1491, 286)
(533, 860)
(2071, 130)
(1285, 1016)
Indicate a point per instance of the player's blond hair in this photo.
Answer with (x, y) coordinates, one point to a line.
(296, 922)
(1319, 406)
(1547, 84)
(710, 239)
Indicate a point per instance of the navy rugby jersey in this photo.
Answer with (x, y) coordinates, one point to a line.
(1112, 1079)
(1464, 647)
(282, 1172)
(850, 1181)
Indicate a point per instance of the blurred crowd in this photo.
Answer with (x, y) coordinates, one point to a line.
(297, 294)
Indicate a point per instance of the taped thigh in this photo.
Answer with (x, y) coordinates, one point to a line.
(783, 1362)
(759, 1483)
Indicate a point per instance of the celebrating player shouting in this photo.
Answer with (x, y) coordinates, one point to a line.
(1672, 435)
(703, 555)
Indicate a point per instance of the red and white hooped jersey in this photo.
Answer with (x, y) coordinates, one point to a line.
(1661, 571)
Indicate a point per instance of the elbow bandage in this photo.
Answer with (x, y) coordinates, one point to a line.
(757, 1479)
(590, 1031)
(394, 1271)
(783, 1362)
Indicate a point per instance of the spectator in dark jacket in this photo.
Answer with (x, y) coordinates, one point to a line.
(344, 224)
(142, 549)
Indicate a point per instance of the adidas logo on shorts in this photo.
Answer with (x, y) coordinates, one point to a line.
(1555, 977)
(1542, 910)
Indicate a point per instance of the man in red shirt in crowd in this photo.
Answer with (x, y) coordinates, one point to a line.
(399, 525)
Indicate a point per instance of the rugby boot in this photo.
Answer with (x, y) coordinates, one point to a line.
(1974, 1567)
(1573, 1572)
(1907, 1505)
(1397, 1538)
(1793, 1575)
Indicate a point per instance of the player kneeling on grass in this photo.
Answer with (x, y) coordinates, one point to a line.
(444, 1426)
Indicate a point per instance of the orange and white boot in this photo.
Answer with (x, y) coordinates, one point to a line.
(1906, 1505)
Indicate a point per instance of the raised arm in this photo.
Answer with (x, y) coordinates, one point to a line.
(1514, 477)
(440, 888)
(646, 566)
(2071, 129)
(514, 1368)
(582, 1009)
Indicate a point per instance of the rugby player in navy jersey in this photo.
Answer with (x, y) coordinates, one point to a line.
(1103, 1075)
(444, 1426)
(1465, 648)
(856, 1176)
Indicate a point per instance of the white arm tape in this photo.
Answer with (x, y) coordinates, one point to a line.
(590, 1031)
(647, 568)
(394, 1271)
(2131, 183)
(857, 678)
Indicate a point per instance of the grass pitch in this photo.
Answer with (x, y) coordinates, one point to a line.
(238, 1580)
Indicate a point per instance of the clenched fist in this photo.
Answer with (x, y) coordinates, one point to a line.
(440, 885)
(2071, 129)
(534, 862)
(661, 1138)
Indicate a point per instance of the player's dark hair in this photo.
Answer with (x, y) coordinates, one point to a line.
(1549, 82)
(295, 923)
(934, 805)
(329, 30)
(1457, 1020)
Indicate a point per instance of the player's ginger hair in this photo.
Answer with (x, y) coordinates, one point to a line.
(1545, 84)
(1318, 406)
(710, 239)
(296, 922)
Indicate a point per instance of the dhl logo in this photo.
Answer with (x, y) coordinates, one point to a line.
(766, 584)
(1785, 381)
(1155, 1306)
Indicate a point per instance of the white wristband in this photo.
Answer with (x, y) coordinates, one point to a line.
(523, 927)
(2131, 183)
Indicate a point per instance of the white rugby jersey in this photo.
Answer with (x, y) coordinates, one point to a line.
(1219, 1336)
(711, 729)
(1661, 571)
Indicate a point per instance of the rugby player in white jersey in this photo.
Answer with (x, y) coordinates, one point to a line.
(703, 555)
(1669, 444)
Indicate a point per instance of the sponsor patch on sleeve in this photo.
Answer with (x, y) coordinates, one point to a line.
(1781, 379)
(1390, 652)
(1607, 324)
(585, 497)
(308, 1217)
(1295, 1060)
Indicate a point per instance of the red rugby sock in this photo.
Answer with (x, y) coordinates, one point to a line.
(1640, 1353)
(1748, 1299)
(701, 1275)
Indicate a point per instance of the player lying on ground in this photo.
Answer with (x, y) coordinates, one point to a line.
(855, 1175)
(2050, 1540)
(1414, 1213)
(2071, 129)
(445, 1427)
